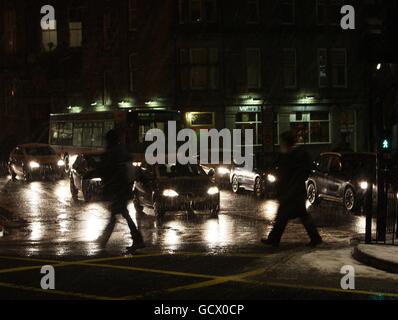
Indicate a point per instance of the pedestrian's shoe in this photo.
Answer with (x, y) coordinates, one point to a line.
(269, 242)
(315, 243)
(136, 245)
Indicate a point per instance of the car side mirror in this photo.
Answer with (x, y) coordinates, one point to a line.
(211, 173)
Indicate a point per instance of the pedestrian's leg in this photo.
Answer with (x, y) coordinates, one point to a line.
(108, 231)
(135, 234)
(275, 235)
(312, 231)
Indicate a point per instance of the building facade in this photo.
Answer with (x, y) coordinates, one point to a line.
(269, 66)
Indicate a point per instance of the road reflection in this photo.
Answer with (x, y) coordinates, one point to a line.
(52, 217)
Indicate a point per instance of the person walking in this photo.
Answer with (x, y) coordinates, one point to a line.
(115, 172)
(294, 170)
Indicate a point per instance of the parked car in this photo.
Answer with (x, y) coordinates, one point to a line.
(84, 177)
(35, 161)
(261, 179)
(175, 188)
(347, 178)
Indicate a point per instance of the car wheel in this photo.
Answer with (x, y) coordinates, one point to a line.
(349, 199)
(312, 194)
(159, 211)
(87, 192)
(258, 189)
(73, 190)
(235, 185)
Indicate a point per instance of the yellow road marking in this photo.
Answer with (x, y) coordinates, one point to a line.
(55, 292)
(213, 279)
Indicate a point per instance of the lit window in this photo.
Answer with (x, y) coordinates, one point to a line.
(251, 121)
(50, 38)
(75, 34)
(308, 127)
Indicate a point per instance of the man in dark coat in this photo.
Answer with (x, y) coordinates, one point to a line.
(294, 170)
(116, 175)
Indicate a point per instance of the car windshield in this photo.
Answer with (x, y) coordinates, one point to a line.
(359, 164)
(39, 151)
(174, 171)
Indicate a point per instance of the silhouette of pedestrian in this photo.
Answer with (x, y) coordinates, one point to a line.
(115, 172)
(294, 170)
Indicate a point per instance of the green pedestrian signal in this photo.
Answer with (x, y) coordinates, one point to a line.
(386, 145)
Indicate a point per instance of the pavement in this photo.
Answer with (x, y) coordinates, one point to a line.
(383, 257)
(186, 257)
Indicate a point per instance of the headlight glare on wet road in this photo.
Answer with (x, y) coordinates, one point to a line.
(170, 193)
(34, 165)
(61, 163)
(271, 178)
(213, 191)
(364, 185)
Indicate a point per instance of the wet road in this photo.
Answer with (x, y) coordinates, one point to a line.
(186, 257)
(57, 225)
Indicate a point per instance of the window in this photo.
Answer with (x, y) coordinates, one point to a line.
(253, 64)
(323, 76)
(328, 12)
(290, 68)
(339, 68)
(253, 11)
(253, 121)
(50, 38)
(199, 68)
(10, 31)
(132, 58)
(75, 27)
(308, 127)
(198, 11)
(335, 72)
(288, 11)
(201, 119)
(75, 34)
(132, 11)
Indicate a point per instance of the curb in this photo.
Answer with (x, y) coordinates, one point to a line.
(374, 262)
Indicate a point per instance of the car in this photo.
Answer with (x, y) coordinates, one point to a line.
(35, 161)
(261, 179)
(347, 178)
(84, 177)
(175, 187)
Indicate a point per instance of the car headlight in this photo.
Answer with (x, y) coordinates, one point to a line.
(61, 163)
(96, 180)
(223, 171)
(364, 185)
(137, 164)
(271, 178)
(34, 165)
(213, 190)
(170, 193)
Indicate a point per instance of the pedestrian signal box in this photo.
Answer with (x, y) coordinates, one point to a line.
(386, 142)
